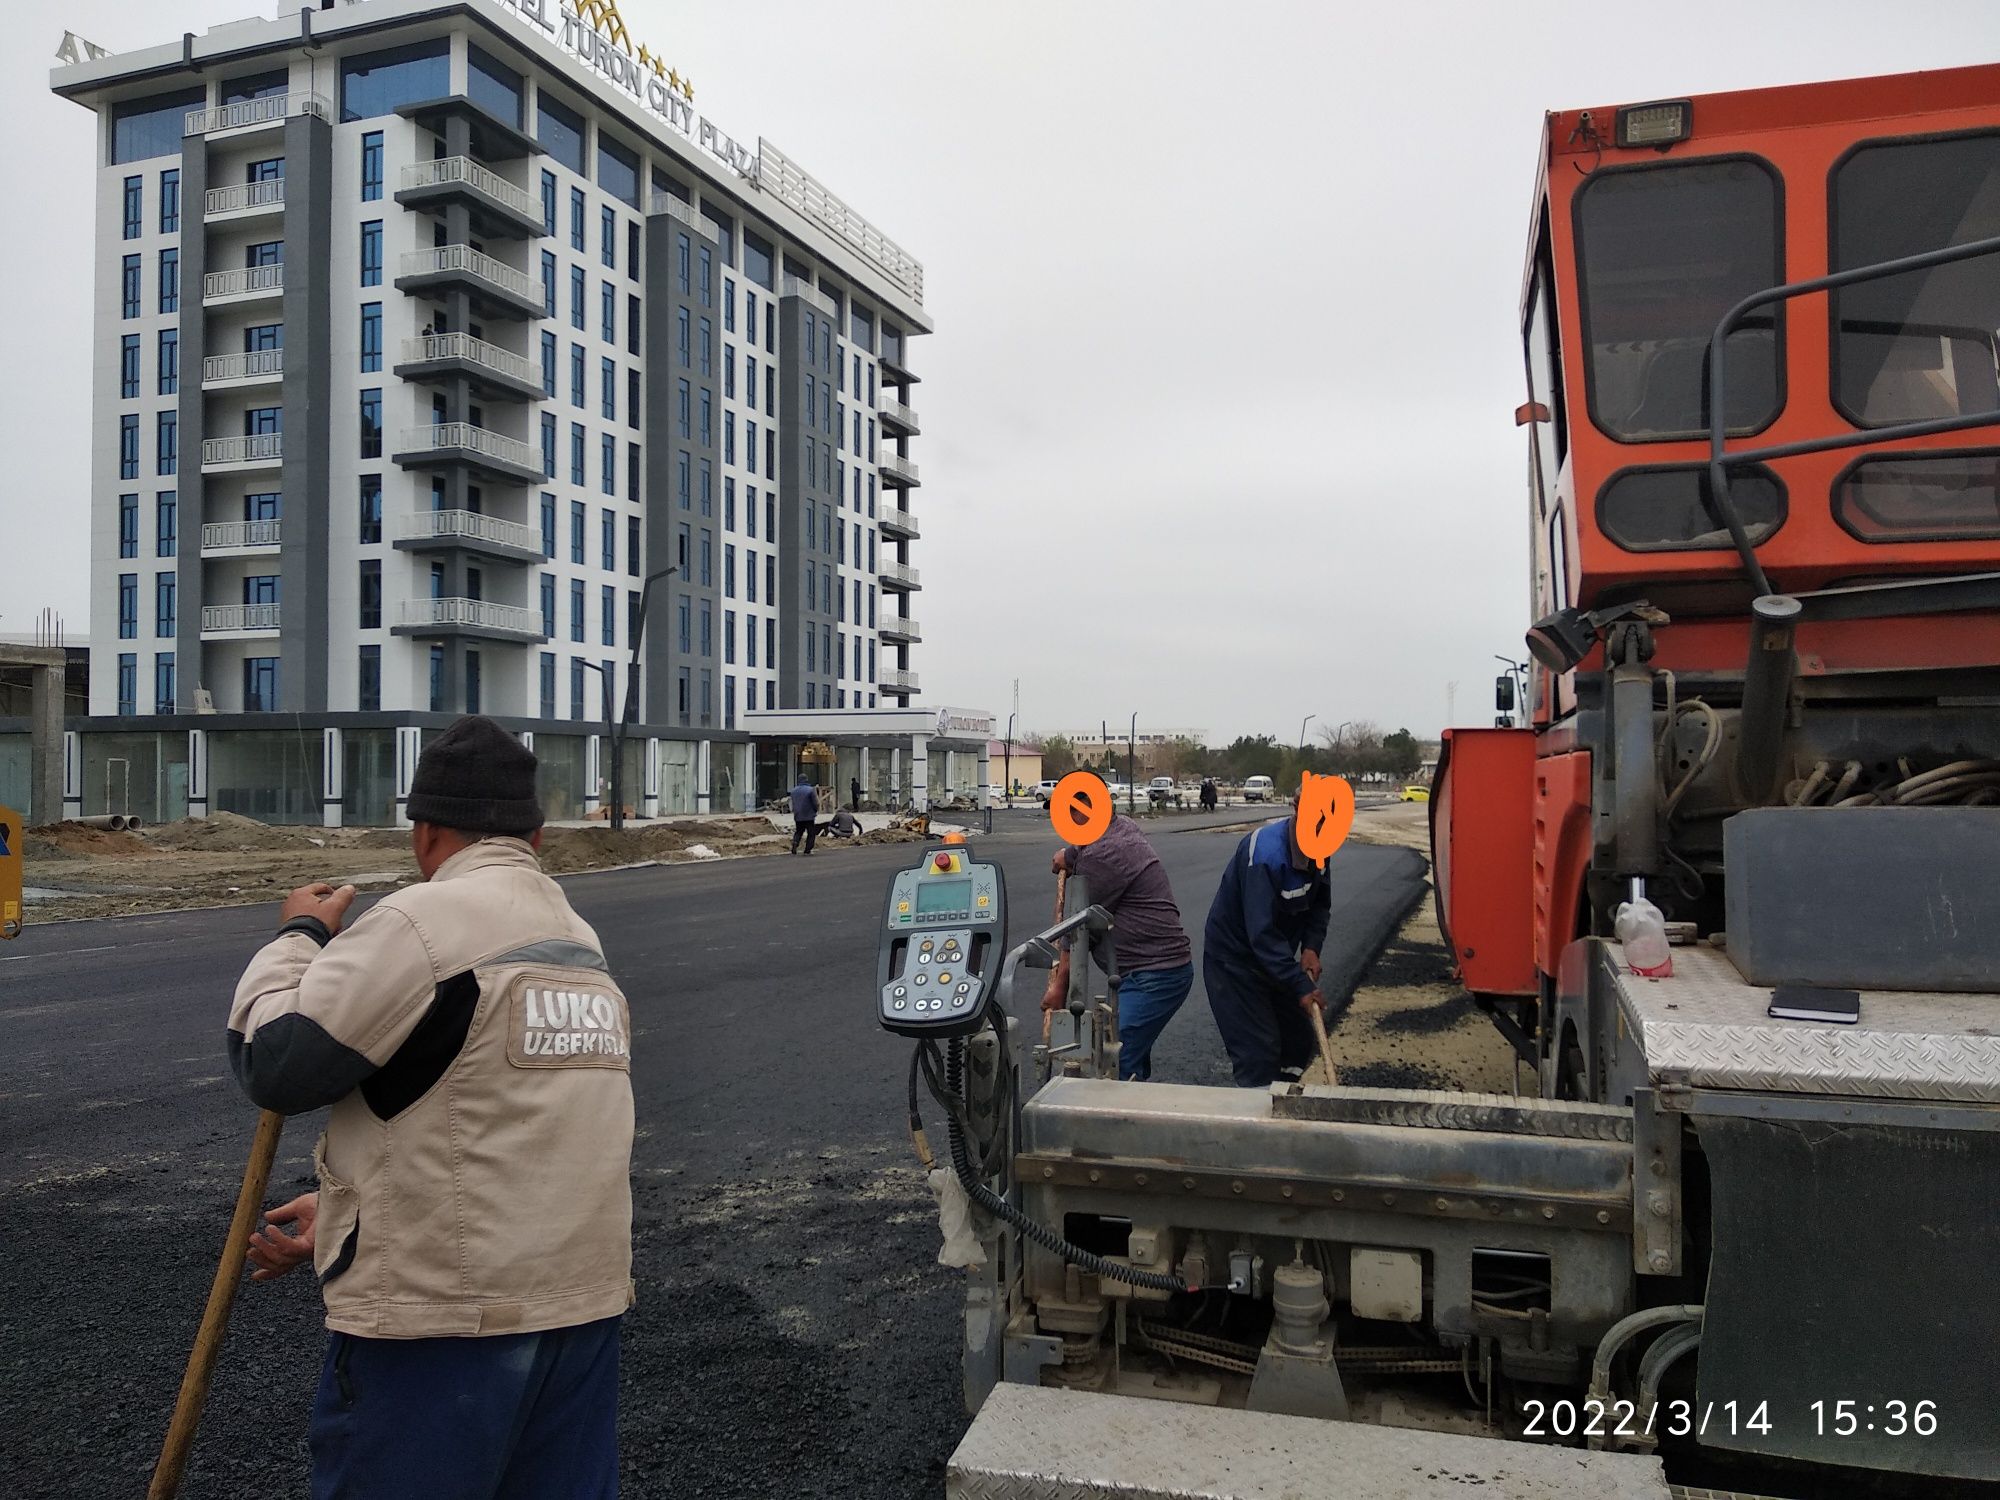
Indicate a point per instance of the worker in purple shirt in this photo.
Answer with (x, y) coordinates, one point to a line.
(1155, 963)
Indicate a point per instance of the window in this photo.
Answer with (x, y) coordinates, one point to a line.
(135, 207)
(548, 284)
(576, 297)
(707, 277)
(548, 445)
(684, 406)
(170, 281)
(728, 304)
(707, 576)
(684, 477)
(166, 523)
(708, 348)
(371, 166)
(163, 682)
(371, 337)
(368, 678)
(750, 446)
(128, 682)
(437, 679)
(707, 629)
(167, 443)
(260, 684)
(707, 488)
(608, 464)
(632, 398)
(576, 218)
(371, 594)
(683, 264)
(576, 375)
(371, 509)
(152, 126)
(548, 363)
(607, 608)
(617, 170)
(1939, 495)
(750, 640)
(548, 524)
(547, 683)
(1668, 508)
(607, 308)
(548, 597)
(750, 575)
(169, 362)
(750, 333)
(128, 604)
(548, 203)
(707, 419)
(757, 264)
(576, 689)
(576, 609)
(608, 540)
(560, 131)
(683, 338)
(607, 236)
(1663, 252)
(577, 513)
(371, 424)
(1551, 438)
(163, 605)
(631, 325)
(371, 253)
(376, 83)
(128, 525)
(493, 86)
(128, 366)
(684, 620)
(129, 284)
(576, 455)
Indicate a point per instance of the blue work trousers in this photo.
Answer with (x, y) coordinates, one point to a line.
(1266, 1031)
(1147, 1000)
(520, 1416)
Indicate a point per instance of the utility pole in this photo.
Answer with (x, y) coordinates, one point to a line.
(614, 730)
(1007, 792)
(1131, 763)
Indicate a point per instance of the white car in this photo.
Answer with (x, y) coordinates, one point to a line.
(1044, 790)
(1161, 790)
(1259, 789)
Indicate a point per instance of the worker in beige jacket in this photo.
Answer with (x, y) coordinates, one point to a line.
(473, 1225)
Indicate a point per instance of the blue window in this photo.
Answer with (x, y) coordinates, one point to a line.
(370, 594)
(684, 468)
(368, 678)
(548, 594)
(135, 207)
(607, 379)
(632, 545)
(684, 394)
(167, 443)
(371, 509)
(684, 620)
(576, 297)
(708, 348)
(576, 689)
(548, 284)
(548, 445)
(728, 305)
(547, 674)
(728, 500)
(684, 264)
(371, 253)
(548, 363)
(757, 264)
(166, 523)
(707, 558)
(129, 287)
(607, 312)
(437, 679)
(128, 446)
(128, 606)
(608, 454)
(128, 682)
(750, 446)
(492, 86)
(261, 588)
(707, 628)
(608, 537)
(376, 83)
(371, 166)
(617, 170)
(707, 419)
(153, 126)
(560, 130)
(750, 328)
(707, 488)
(263, 338)
(608, 610)
(576, 474)
(607, 236)
(170, 361)
(170, 281)
(371, 337)
(128, 525)
(576, 375)
(163, 605)
(260, 684)
(548, 202)
(576, 218)
(548, 524)
(729, 639)
(707, 277)
(128, 366)
(163, 682)
(684, 338)
(576, 523)
(170, 202)
(371, 424)
(576, 609)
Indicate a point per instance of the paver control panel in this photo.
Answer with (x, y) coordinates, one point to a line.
(944, 932)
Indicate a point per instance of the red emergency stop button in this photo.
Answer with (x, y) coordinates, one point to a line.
(941, 862)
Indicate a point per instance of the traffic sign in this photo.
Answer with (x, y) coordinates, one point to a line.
(10, 873)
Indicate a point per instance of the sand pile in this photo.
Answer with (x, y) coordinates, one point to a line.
(79, 841)
(230, 831)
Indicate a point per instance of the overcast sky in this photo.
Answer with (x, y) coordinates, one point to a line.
(1218, 416)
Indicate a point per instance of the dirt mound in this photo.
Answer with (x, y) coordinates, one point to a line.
(227, 830)
(79, 841)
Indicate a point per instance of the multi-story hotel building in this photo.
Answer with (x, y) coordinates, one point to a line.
(427, 332)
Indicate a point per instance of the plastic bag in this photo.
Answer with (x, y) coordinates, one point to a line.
(961, 1246)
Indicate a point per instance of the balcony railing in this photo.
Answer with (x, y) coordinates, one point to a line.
(806, 292)
(222, 535)
(262, 447)
(476, 614)
(903, 626)
(465, 260)
(244, 195)
(901, 467)
(243, 282)
(896, 680)
(430, 347)
(255, 364)
(473, 439)
(265, 111)
(480, 179)
(673, 208)
(470, 524)
(895, 518)
(893, 410)
(215, 617)
(903, 573)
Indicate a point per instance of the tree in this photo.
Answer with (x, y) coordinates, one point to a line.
(1401, 754)
(1058, 757)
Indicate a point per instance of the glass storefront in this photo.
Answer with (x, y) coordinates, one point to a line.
(559, 768)
(273, 776)
(139, 775)
(677, 776)
(368, 778)
(728, 778)
(14, 779)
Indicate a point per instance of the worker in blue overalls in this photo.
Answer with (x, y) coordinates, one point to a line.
(1260, 954)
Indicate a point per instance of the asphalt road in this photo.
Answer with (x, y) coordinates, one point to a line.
(794, 1336)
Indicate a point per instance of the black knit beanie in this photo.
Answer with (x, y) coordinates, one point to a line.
(477, 778)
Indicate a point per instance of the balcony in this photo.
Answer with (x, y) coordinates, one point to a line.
(493, 371)
(477, 618)
(897, 416)
(673, 208)
(245, 284)
(239, 538)
(225, 455)
(895, 575)
(806, 292)
(898, 472)
(496, 287)
(898, 522)
(896, 680)
(226, 622)
(255, 114)
(504, 458)
(492, 138)
(498, 206)
(228, 371)
(891, 359)
(470, 531)
(243, 200)
(903, 629)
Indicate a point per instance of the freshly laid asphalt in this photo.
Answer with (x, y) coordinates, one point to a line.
(794, 1335)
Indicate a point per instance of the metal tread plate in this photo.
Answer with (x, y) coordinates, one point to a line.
(1442, 1109)
(1030, 1443)
(1708, 1028)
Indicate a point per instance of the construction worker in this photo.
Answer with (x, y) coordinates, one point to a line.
(1155, 962)
(805, 813)
(1260, 954)
(473, 1225)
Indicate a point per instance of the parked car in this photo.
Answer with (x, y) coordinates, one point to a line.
(1414, 794)
(1259, 789)
(1161, 790)
(1044, 790)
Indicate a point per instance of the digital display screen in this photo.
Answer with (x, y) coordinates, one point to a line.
(935, 896)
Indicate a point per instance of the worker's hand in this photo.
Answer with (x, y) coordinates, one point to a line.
(1311, 998)
(1060, 863)
(1057, 994)
(1309, 961)
(272, 1251)
(318, 900)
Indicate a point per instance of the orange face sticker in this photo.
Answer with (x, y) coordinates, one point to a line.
(1080, 809)
(1325, 816)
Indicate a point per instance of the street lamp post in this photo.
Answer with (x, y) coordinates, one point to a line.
(1131, 764)
(1007, 761)
(1302, 730)
(614, 731)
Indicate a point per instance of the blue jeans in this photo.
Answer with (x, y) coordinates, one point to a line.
(1147, 1000)
(516, 1416)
